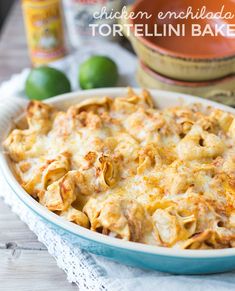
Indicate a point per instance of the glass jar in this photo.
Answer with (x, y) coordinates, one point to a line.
(80, 14)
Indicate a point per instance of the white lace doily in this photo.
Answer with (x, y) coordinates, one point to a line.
(88, 271)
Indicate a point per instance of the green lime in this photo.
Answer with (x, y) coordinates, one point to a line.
(98, 72)
(45, 82)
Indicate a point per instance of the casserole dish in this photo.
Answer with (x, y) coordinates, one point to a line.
(134, 254)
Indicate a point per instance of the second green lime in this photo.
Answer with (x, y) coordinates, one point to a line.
(98, 72)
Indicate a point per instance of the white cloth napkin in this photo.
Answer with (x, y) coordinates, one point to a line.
(88, 271)
(126, 62)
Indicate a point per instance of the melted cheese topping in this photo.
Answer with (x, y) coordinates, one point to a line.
(131, 171)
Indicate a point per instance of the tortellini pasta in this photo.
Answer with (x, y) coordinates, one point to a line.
(123, 218)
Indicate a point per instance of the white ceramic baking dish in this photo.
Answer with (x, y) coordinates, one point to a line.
(135, 254)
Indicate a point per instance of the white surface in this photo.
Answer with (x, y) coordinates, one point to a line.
(90, 272)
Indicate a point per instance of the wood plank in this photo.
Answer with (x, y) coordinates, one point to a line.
(14, 231)
(4, 8)
(28, 270)
(13, 47)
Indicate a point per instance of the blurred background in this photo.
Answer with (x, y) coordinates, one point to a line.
(5, 6)
(13, 44)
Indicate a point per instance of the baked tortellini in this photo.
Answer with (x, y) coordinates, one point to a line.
(129, 170)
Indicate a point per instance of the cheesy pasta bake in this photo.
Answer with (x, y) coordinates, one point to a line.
(128, 170)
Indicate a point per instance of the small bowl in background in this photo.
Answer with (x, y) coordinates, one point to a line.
(221, 90)
(184, 58)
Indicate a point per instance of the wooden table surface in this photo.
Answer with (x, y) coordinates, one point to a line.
(25, 264)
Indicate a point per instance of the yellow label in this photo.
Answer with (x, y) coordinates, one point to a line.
(44, 29)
